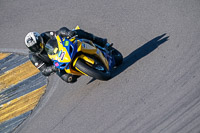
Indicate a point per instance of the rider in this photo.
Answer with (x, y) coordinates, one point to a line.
(38, 56)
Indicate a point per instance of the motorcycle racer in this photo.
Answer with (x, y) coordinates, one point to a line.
(35, 42)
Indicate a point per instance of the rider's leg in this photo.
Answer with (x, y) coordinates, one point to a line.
(97, 40)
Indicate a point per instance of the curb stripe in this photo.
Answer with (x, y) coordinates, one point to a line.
(3, 55)
(12, 59)
(20, 89)
(17, 74)
(2, 61)
(11, 124)
(12, 63)
(20, 105)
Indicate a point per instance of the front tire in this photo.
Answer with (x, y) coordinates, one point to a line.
(91, 70)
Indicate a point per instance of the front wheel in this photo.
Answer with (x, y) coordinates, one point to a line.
(97, 71)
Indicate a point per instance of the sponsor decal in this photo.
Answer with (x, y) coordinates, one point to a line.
(61, 54)
(56, 64)
(66, 43)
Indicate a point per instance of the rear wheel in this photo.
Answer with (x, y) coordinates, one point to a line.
(97, 70)
(117, 56)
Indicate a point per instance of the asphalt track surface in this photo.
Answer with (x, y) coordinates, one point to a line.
(157, 88)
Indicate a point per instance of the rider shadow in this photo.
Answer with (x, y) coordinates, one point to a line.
(138, 54)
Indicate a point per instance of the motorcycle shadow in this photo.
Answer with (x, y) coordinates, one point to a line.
(139, 53)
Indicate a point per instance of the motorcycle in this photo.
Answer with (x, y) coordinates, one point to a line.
(83, 57)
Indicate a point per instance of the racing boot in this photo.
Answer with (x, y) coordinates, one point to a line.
(108, 46)
(102, 42)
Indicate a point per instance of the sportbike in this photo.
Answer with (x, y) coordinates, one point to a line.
(83, 57)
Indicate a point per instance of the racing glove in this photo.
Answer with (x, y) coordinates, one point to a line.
(71, 34)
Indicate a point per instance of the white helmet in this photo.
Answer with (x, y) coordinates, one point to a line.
(34, 42)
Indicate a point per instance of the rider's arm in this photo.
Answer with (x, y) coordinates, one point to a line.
(38, 63)
(48, 35)
(65, 32)
(81, 34)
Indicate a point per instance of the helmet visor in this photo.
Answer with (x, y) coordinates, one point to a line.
(51, 47)
(38, 46)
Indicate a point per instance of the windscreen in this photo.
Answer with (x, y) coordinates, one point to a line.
(51, 47)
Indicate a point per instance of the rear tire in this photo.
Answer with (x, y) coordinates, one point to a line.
(117, 56)
(91, 71)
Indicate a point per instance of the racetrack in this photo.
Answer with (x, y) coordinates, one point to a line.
(156, 90)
